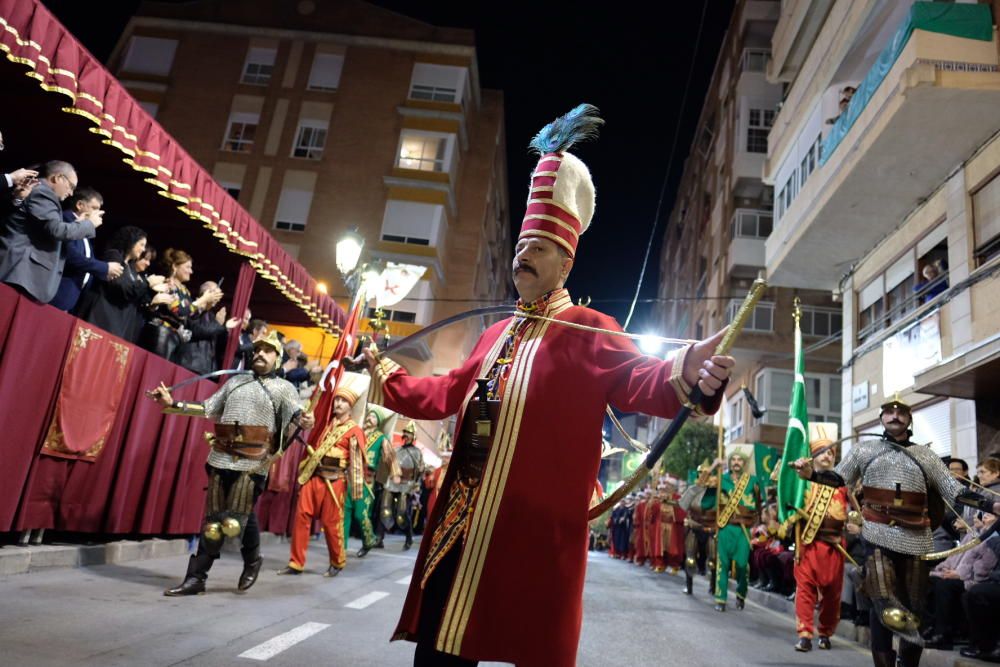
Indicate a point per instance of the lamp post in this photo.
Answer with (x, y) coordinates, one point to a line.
(357, 273)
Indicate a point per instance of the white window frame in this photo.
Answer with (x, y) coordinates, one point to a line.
(740, 215)
(258, 68)
(144, 51)
(427, 83)
(734, 426)
(761, 320)
(434, 236)
(778, 406)
(765, 120)
(439, 165)
(310, 140)
(239, 143)
(319, 78)
(812, 314)
(289, 225)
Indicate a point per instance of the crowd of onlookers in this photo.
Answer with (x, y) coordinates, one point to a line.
(52, 251)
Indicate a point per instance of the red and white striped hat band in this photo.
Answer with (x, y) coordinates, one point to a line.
(561, 201)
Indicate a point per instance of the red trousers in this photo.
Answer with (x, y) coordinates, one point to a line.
(820, 570)
(315, 500)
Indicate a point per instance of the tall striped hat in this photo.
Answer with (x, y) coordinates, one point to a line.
(562, 198)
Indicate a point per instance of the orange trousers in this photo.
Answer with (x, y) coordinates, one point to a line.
(315, 501)
(819, 570)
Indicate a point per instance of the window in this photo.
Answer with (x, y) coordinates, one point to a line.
(259, 66)
(241, 132)
(325, 72)
(150, 55)
(150, 107)
(425, 151)
(754, 60)
(774, 392)
(412, 222)
(295, 201)
(871, 308)
(230, 177)
(986, 220)
(310, 140)
(438, 83)
(762, 318)
(822, 322)
(734, 418)
(751, 224)
(758, 127)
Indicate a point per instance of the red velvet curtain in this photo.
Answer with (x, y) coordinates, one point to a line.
(241, 300)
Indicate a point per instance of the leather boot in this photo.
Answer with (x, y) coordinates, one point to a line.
(804, 645)
(884, 658)
(909, 654)
(194, 580)
(688, 585)
(363, 551)
(251, 568)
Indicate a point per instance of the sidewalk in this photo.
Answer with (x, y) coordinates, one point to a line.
(23, 560)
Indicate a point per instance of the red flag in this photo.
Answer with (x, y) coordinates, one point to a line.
(323, 408)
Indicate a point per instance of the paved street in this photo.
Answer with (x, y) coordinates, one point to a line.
(116, 615)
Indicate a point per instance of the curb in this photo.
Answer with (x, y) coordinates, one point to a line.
(23, 560)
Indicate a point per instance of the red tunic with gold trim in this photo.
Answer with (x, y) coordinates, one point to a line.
(819, 573)
(641, 532)
(654, 533)
(511, 601)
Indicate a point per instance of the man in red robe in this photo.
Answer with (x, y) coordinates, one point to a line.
(640, 530)
(819, 572)
(673, 528)
(654, 531)
(500, 572)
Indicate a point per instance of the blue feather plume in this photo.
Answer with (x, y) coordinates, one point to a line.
(578, 125)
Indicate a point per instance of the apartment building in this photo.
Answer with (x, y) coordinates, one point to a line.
(714, 243)
(892, 202)
(322, 117)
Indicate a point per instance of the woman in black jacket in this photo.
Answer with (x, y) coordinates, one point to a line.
(116, 305)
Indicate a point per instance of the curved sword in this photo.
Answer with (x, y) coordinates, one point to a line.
(504, 309)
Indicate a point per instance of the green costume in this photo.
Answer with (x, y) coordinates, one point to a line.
(733, 546)
(361, 510)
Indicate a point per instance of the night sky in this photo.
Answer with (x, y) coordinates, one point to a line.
(630, 61)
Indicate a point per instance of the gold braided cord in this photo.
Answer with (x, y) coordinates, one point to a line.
(624, 334)
(979, 486)
(636, 445)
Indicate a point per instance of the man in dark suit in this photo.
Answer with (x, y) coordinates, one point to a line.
(31, 255)
(81, 265)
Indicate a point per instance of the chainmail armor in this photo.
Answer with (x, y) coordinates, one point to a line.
(408, 457)
(879, 465)
(243, 399)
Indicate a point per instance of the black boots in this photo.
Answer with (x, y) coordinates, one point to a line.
(333, 571)
(363, 551)
(194, 580)
(804, 645)
(251, 568)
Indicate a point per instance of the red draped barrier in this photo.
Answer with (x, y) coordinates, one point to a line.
(150, 475)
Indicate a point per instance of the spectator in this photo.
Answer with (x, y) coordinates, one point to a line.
(988, 473)
(982, 608)
(208, 337)
(294, 369)
(173, 308)
(116, 305)
(950, 579)
(947, 534)
(31, 256)
(252, 330)
(82, 267)
(853, 597)
(934, 282)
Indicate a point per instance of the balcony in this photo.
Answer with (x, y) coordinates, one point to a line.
(935, 105)
(794, 36)
(749, 230)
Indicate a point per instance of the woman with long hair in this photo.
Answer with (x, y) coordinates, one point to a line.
(115, 305)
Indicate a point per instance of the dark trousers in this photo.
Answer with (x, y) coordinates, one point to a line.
(881, 636)
(431, 609)
(208, 552)
(982, 608)
(948, 614)
(407, 524)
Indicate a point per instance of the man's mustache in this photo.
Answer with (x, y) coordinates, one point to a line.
(525, 267)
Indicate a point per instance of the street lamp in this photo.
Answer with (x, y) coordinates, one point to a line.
(349, 251)
(650, 344)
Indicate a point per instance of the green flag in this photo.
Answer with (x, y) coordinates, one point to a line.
(765, 458)
(792, 488)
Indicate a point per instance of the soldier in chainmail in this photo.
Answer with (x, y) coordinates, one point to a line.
(901, 482)
(402, 490)
(252, 413)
